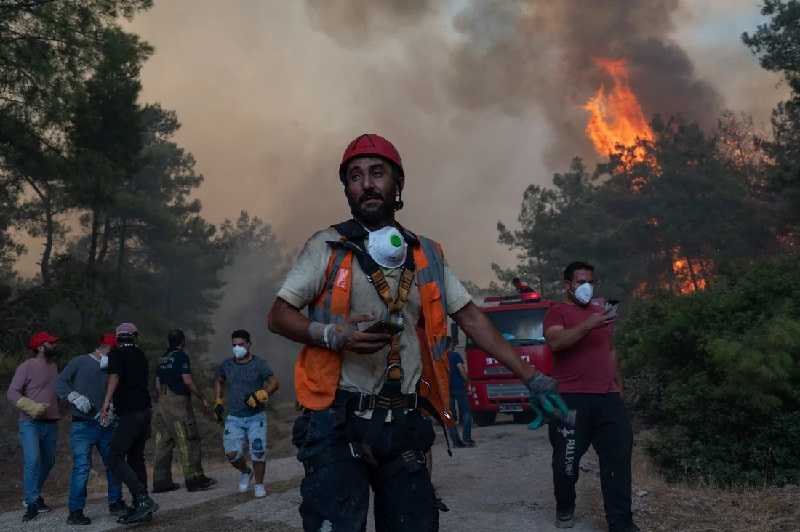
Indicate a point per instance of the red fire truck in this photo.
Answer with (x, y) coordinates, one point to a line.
(492, 387)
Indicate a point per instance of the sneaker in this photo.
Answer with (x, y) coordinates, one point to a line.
(77, 518)
(470, 443)
(260, 491)
(31, 512)
(565, 519)
(41, 506)
(118, 508)
(165, 487)
(143, 509)
(458, 444)
(209, 479)
(199, 484)
(244, 481)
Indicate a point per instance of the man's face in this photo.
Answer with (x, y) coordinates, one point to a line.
(241, 342)
(371, 189)
(578, 278)
(103, 350)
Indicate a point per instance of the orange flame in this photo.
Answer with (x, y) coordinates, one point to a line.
(616, 117)
(689, 273)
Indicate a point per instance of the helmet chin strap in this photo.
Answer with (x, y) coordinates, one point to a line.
(398, 203)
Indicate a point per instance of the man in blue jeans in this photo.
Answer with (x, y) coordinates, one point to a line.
(83, 384)
(458, 397)
(32, 391)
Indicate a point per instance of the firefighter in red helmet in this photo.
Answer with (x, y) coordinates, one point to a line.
(373, 367)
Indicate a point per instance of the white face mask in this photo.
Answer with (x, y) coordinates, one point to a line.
(387, 247)
(103, 361)
(584, 293)
(239, 351)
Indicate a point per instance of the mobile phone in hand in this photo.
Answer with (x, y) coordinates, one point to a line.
(384, 327)
(611, 308)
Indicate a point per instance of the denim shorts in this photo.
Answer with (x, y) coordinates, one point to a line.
(251, 430)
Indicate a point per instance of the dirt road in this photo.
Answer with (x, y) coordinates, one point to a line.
(503, 485)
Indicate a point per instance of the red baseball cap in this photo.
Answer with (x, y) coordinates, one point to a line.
(109, 339)
(41, 337)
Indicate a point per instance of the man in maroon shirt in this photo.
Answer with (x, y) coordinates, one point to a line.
(579, 332)
(33, 392)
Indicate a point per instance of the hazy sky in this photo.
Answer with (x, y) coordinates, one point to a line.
(270, 92)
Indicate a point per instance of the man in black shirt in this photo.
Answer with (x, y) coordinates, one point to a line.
(127, 388)
(175, 424)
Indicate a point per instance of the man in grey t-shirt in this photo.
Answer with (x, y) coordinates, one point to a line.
(243, 386)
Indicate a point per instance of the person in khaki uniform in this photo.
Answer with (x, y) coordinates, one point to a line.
(175, 422)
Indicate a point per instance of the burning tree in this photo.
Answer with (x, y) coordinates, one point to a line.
(648, 227)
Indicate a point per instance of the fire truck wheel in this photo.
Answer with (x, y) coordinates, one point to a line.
(484, 419)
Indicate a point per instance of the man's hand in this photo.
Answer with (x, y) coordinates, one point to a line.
(257, 398)
(105, 414)
(204, 406)
(598, 320)
(346, 336)
(544, 397)
(219, 410)
(81, 402)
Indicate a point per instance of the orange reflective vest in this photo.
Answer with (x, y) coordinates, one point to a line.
(317, 370)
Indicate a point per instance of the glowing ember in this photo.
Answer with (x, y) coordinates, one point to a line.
(616, 117)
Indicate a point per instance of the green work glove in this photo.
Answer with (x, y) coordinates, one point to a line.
(556, 412)
(545, 401)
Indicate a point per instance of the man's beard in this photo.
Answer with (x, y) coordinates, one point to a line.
(383, 214)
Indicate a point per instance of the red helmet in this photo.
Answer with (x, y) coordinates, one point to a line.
(370, 144)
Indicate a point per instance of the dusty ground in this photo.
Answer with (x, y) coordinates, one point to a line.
(502, 485)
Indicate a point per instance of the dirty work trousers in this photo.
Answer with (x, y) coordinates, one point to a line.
(175, 427)
(340, 471)
(602, 423)
(127, 450)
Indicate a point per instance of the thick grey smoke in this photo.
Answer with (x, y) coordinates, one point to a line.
(251, 281)
(523, 55)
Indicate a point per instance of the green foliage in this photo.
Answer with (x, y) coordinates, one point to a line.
(777, 44)
(719, 373)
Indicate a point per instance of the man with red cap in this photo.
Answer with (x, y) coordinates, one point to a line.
(375, 354)
(83, 385)
(128, 388)
(33, 392)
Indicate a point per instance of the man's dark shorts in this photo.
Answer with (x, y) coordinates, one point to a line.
(338, 477)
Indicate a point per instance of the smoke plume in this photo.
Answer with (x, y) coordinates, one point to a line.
(482, 98)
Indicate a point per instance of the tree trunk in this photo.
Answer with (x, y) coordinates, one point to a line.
(91, 260)
(48, 243)
(101, 257)
(123, 229)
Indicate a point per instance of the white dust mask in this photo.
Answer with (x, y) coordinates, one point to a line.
(583, 294)
(387, 247)
(239, 351)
